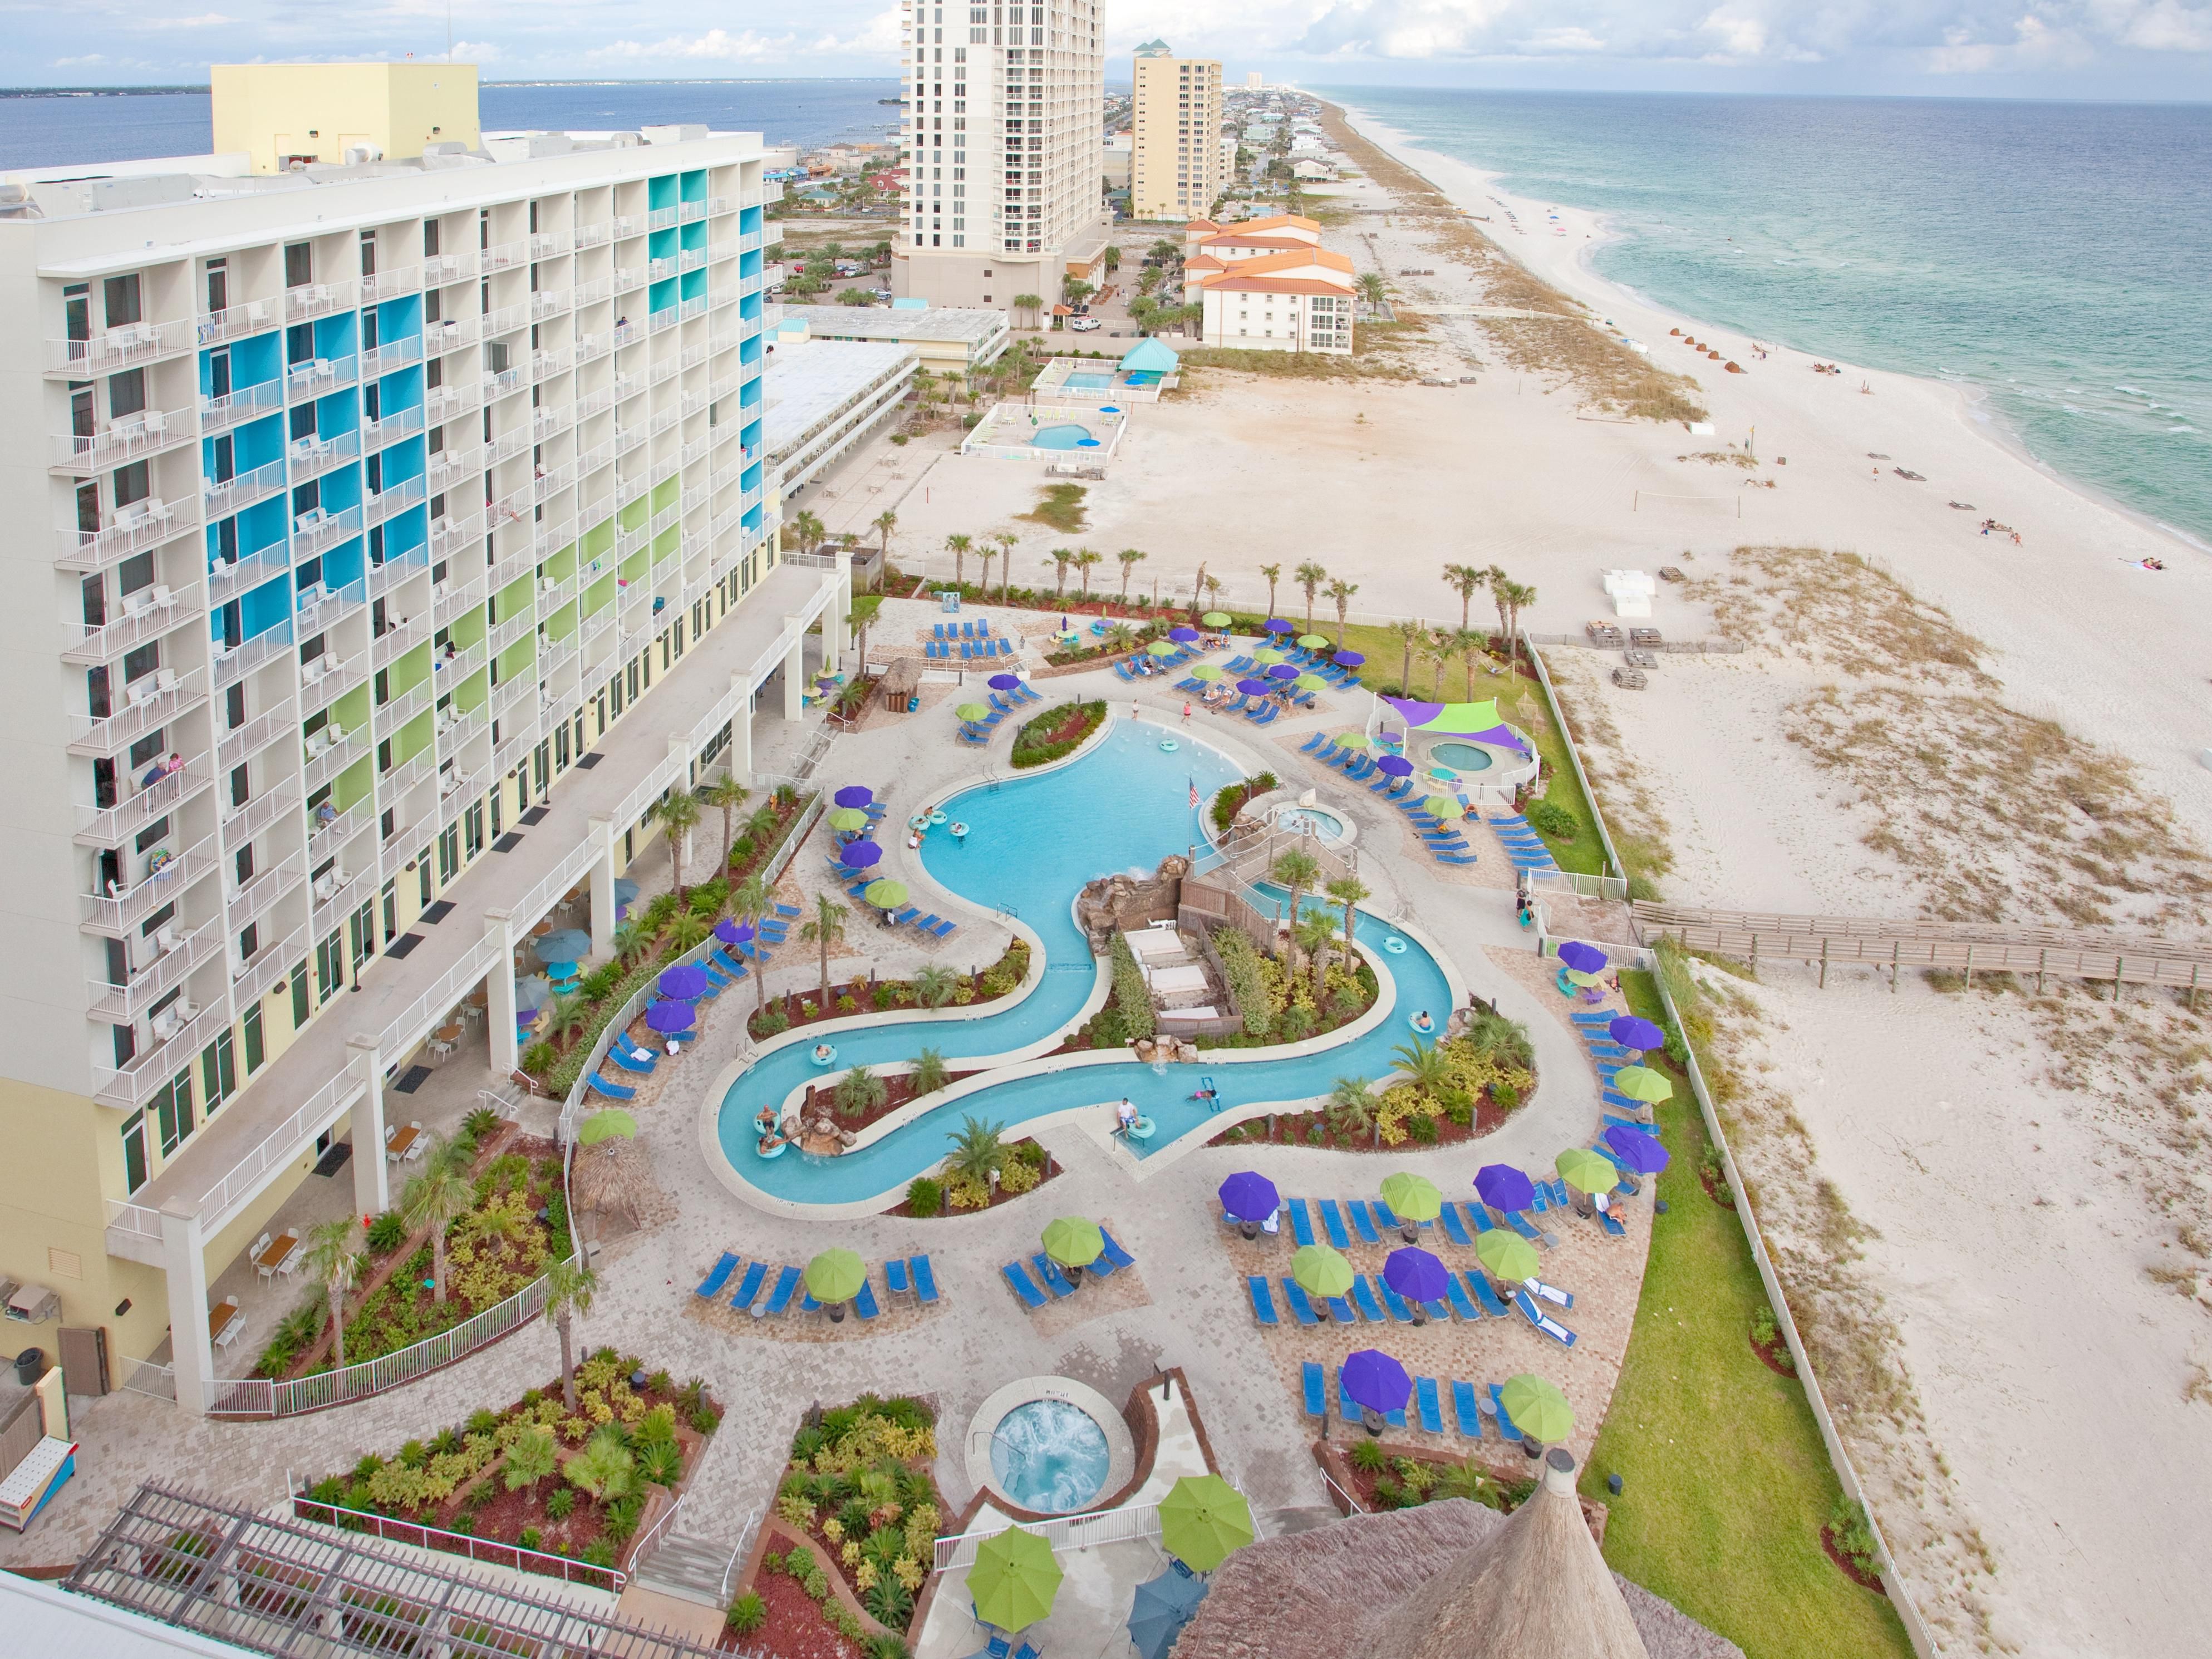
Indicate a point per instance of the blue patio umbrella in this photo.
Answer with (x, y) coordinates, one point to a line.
(1183, 636)
(1416, 1274)
(1396, 766)
(1641, 1035)
(1161, 1608)
(1249, 1197)
(1501, 1187)
(1638, 1150)
(1347, 659)
(1280, 625)
(533, 993)
(1282, 671)
(1253, 688)
(1375, 1382)
(687, 982)
(853, 794)
(732, 932)
(625, 890)
(568, 944)
(1582, 957)
(1004, 682)
(859, 855)
(673, 1015)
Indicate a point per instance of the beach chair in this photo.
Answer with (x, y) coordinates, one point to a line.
(896, 1282)
(1529, 1230)
(1191, 688)
(1467, 1411)
(1017, 1277)
(1364, 1300)
(787, 1282)
(1542, 1321)
(1594, 1022)
(1551, 1293)
(1396, 1303)
(1612, 1223)
(1558, 1189)
(722, 959)
(748, 1291)
(1615, 1121)
(1478, 1216)
(1454, 857)
(1607, 1051)
(1122, 672)
(621, 1057)
(1454, 1230)
(925, 1279)
(1301, 1222)
(1267, 715)
(1386, 1218)
(1294, 1298)
(1048, 1270)
(942, 929)
(718, 1276)
(1340, 1309)
(1427, 1403)
(902, 917)
(1313, 744)
(927, 924)
(602, 1085)
(1348, 1408)
(970, 736)
(1317, 1389)
(1333, 1220)
(1113, 1254)
(865, 1303)
(1506, 1424)
(998, 1644)
(1361, 1223)
(1479, 1284)
(1004, 646)
(715, 977)
(1263, 1300)
(1456, 1294)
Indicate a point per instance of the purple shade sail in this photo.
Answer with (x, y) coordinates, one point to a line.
(1416, 1274)
(1253, 688)
(1503, 736)
(1003, 682)
(687, 983)
(1642, 1035)
(1183, 636)
(1249, 1197)
(1582, 957)
(1282, 671)
(1396, 766)
(1348, 659)
(1638, 1150)
(1280, 625)
(732, 932)
(855, 795)
(860, 855)
(1504, 1187)
(1377, 1382)
(670, 1017)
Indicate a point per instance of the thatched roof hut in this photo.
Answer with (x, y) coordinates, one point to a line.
(616, 1176)
(900, 681)
(1448, 1580)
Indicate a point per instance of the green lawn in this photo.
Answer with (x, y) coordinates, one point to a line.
(1726, 1480)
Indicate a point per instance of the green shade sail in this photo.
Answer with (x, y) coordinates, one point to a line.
(836, 1275)
(885, 895)
(606, 1126)
(1505, 1255)
(1202, 1519)
(1537, 1407)
(967, 711)
(1642, 1082)
(1074, 1241)
(1413, 1197)
(1013, 1580)
(1585, 1171)
(1320, 1271)
(1216, 619)
(1444, 806)
(1208, 671)
(846, 817)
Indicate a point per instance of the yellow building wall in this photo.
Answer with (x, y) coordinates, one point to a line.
(271, 111)
(1154, 116)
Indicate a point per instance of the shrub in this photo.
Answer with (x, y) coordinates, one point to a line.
(480, 1122)
(1422, 1128)
(1033, 744)
(1317, 1132)
(600, 1555)
(1367, 1456)
(1389, 1494)
(1248, 986)
(747, 1614)
(539, 1058)
(706, 1420)
(859, 1092)
(770, 1021)
(1549, 819)
(924, 1196)
(463, 1523)
(1296, 1025)
(1017, 1178)
(1504, 1094)
(558, 1504)
(529, 1538)
(1852, 1535)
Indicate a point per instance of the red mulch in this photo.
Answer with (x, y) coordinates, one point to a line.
(898, 1091)
(1775, 1354)
(509, 1512)
(1716, 1188)
(794, 1628)
(999, 1196)
(1850, 1569)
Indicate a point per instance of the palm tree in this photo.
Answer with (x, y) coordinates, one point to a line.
(1297, 871)
(1314, 933)
(884, 523)
(1120, 637)
(809, 531)
(1351, 1107)
(825, 928)
(530, 1459)
(1517, 595)
(1499, 582)
(957, 546)
(1127, 558)
(1274, 572)
(1410, 635)
(1437, 651)
(988, 553)
(1059, 559)
(934, 984)
(1341, 590)
(1112, 259)
(1029, 303)
(859, 1092)
(1007, 542)
(752, 902)
(632, 940)
(1425, 1067)
(333, 1261)
(761, 823)
(727, 792)
(1198, 591)
(568, 1016)
(569, 1289)
(1083, 561)
(976, 1150)
(1463, 580)
(1371, 287)
(1309, 576)
(436, 1198)
(1468, 644)
(1347, 891)
(677, 811)
(929, 1072)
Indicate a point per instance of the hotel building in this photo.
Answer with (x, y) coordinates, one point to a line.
(1175, 173)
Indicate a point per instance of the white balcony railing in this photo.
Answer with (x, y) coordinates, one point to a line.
(311, 457)
(320, 376)
(317, 300)
(391, 284)
(250, 317)
(125, 346)
(150, 703)
(145, 615)
(122, 908)
(394, 498)
(141, 525)
(146, 433)
(315, 530)
(245, 404)
(110, 826)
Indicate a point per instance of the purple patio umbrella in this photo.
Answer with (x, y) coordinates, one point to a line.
(1638, 1150)
(1183, 636)
(1581, 957)
(1280, 625)
(687, 983)
(732, 932)
(853, 794)
(859, 855)
(1377, 1384)
(1003, 682)
(1253, 688)
(1249, 1197)
(1396, 766)
(1504, 1187)
(672, 1015)
(1419, 1277)
(1641, 1035)
(1348, 659)
(1283, 671)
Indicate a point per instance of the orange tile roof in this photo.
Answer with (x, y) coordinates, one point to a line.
(1276, 285)
(1280, 219)
(1301, 257)
(1202, 261)
(1202, 225)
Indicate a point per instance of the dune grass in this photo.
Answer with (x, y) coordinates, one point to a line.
(1059, 507)
(1726, 1482)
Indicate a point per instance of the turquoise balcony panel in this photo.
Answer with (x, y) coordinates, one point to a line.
(693, 185)
(396, 318)
(661, 296)
(335, 336)
(262, 608)
(660, 192)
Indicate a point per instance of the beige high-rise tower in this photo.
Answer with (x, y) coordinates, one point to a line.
(1176, 170)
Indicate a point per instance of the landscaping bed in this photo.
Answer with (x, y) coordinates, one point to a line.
(933, 988)
(1457, 1091)
(962, 1189)
(1057, 732)
(1379, 1476)
(857, 1097)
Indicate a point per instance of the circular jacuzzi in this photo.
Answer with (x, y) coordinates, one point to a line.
(1311, 821)
(1049, 1445)
(1461, 757)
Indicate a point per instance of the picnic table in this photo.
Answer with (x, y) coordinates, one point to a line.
(223, 1321)
(280, 1257)
(397, 1144)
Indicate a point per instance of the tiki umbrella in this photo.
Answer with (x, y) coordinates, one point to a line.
(1347, 659)
(1508, 1257)
(1583, 959)
(1216, 619)
(1013, 1580)
(1311, 683)
(1419, 1277)
(834, 1278)
(1313, 641)
(846, 818)
(1376, 1382)
(1444, 806)
(1160, 1608)
(1638, 1150)
(1355, 740)
(972, 711)
(1249, 1196)
(1641, 1035)
(1319, 1271)
(670, 1017)
(1202, 1519)
(606, 1126)
(687, 982)
(886, 894)
(852, 794)
(1504, 1187)
(1537, 1408)
(1280, 625)
(1267, 656)
(859, 855)
(1395, 766)
(1415, 1198)
(1208, 670)
(1585, 1171)
(1163, 649)
(1642, 1082)
(1074, 1241)
(1003, 682)
(1183, 636)
(733, 933)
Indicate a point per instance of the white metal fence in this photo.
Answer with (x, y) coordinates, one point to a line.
(490, 1552)
(1065, 1532)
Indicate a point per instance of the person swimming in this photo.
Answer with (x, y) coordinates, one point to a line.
(1423, 1023)
(823, 1054)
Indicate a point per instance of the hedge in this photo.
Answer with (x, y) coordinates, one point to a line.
(1131, 995)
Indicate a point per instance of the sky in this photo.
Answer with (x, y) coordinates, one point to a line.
(2114, 49)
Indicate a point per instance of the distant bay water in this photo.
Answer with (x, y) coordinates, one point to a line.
(40, 129)
(2057, 256)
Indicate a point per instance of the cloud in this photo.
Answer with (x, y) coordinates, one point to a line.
(206, 20)
(716, 46)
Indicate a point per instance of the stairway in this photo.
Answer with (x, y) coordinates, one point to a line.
(686, 1567)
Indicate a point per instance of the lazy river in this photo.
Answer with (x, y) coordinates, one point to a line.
(1032, 843)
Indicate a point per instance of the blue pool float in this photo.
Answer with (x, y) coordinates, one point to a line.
(1413, 1022)
(775, 1150)
(959, 831)
(829, 1059)
(1169, 745)
(936, 818)
(1394, 946)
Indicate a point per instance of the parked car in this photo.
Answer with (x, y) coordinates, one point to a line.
(1083, 324)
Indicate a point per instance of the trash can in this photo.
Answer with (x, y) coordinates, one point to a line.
(30, 1366)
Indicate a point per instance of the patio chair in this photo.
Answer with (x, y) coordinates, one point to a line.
(718, 1276)
(790, 911)
(1479, 1217)
(1114, 1253)
(1485, 1297)
(1427, 1403)
(1467, 1411)
(1542, 1321)
(865, 1303)
(1455, 858)
(905, 916)
(1457, 1294)
(602, 1085)
(1400, 1313)
(1317, 1389)
(1527, 1229)
(1048, 1270)
(622, 1056)
(1017, 1277)
(1361, 1223)
(1333, 1220)
(1454, 1230)
(1005, 646)
(1612, 1223)
(896, 1282)
(1340, 1309)
(1313, 744)
(1506, 1424)
(787, 1282)
(925, 1280)
(1301, 1222)
(748, 1291)
(942, 929)
(1263, 1300)
(1294, 1298)
(1364, 1300)
(1386, 1219)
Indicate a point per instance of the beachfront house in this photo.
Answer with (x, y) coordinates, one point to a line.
(1299, 300)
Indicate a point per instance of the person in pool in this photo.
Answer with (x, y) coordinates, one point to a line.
(824, 1053)
(1423, 1023)
(766, 1121)
(1125, 1115)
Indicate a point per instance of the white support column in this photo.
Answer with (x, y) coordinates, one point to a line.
(836, 632)
(794, 673)
(741, 731)
(191, 1350)
(498, 992)
(371, 1184)
(602, 831)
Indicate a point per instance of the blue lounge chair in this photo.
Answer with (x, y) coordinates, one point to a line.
(711, 1286)
(1114, 1253)
(1615, 1121)
(1005, 646)
(942, 928)
(1340, 1309)
(749, 1287)
(1316, 1387)
(927, 924)
(1263, 1300)
(1454, 1230)
(925, 1279)
(1048, 1271)
(1607, 1051)
(999, 1645)
(1479, 1216)
(1313, 744)
(1017, 1277)
(1479, 1284)
(1349, 1407)
(895, 1279)
(737, 971)
(1466, 1410)
(1098, 1267)
(1611, 1224)
(612, 1091)
(1522, 1225)
(787, 1282)
(1456, 1294)
(1333, 1220)
(1542, 1321)
(1387, 1218)
(865, 1303)
(1602, 1022)
(620, 1057)
(1505, 1425)
(902, 917)
(1361, 1224)
(1558, 1191)
(1395, 1302)
(1268, 716)
(1364, 1300)
(1294, 1298)
(1425, 1401)
(1301, 1222)
(1122, 672)
(1454, 858)
(970, 735)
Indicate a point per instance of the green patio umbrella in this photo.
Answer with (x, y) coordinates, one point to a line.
(1352, 740)
(1642, 1082)
(1267, 654)
(967, 711)
(1310, 683)
(885, 895)
(1537, 1407)
(1413, 1197)
(1444, 806)
(1163, 648)
(836, 1275)
(1314, 642)
(846, 817)
(1585, 1171)
(1202, 1519)
(1013, 1580)
(1208, 670)
(1575, 976)
(1216, 619)
(1320, 1271)
(1074, 1241)
(1505, 1255)
(606, 1126)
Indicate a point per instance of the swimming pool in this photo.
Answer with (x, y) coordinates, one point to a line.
(1067, 435)
(1049, 1456)
(1462, 757)
(1088, 380)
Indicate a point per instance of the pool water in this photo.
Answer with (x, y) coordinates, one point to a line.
(1311, 820)
(1461, 757)
(1065, 436)
(1088, 381)
(1049, 1456)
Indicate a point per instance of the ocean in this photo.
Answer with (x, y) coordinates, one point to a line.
(46, 129)
(2054, 255)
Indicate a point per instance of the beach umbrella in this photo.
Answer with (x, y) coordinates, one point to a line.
(1074, 1241)
(1311, 683)
(836, 1275)
(1537, 1407)
(886, 894)
(1249, 1197)
(1013, 1580)
(1216, 619)
(1375, 1382)
(1642, 1082)
(533, 992)
(1444, 806)
(1640, 1152)
(1162, 648)
(606, 1126)
(1582, 957)
(1416, 1274)
(1183, 636)
(1413, 1197)
(1209, 671)
(732, 932)
(1003, 682)
(1505, 1255)
(686, 982)
(625, 890)
(1396, 766)
(1280, 625)
(1162, 1607)
(1641, 1035)
(1253, 688)
(1356, 740)
(1504, 1187)
(568, 944)
(846, 818)
(1267, 656)
(972, 711)
(1576, 976)
(1313, 641)
(671, 1016)
(852, 794)
(1202, 1519)
(859, 855)
(1282, 671)
(1585, 1171)
(1320, 1271)
(1348, 659)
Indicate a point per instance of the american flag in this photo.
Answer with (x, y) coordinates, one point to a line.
(1194, 791)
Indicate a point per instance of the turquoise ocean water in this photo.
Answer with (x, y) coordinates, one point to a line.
(2057, 256)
